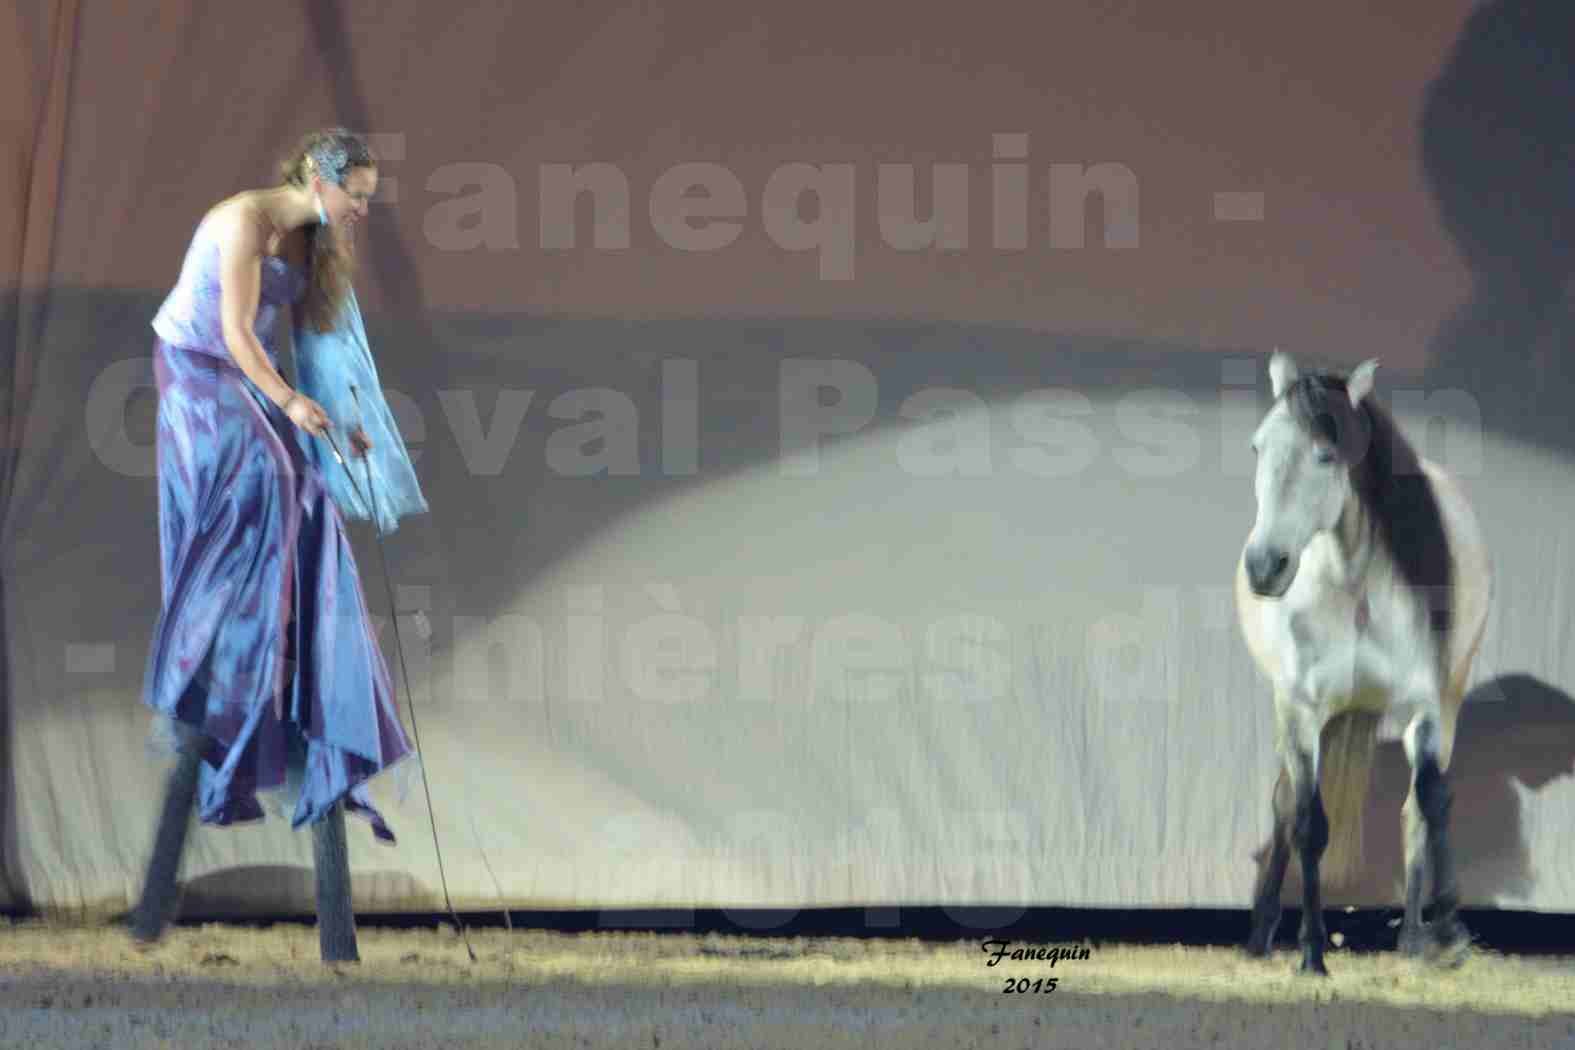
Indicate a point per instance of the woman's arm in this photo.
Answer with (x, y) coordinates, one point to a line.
(241, 245)
(360, 444)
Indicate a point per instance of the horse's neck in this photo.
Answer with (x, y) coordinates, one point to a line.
(1357, 544)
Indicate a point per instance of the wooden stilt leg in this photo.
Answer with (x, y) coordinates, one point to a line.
(335, 913)
(160, 891)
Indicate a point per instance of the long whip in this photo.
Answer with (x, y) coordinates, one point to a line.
(403, 670)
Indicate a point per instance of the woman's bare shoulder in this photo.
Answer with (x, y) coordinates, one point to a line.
(240, 222)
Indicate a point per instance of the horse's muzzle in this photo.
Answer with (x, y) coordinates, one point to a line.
(1269, 571)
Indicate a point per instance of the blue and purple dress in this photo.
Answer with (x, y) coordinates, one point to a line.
(255, 569)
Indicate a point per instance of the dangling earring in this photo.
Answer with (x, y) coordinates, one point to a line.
(322, 216)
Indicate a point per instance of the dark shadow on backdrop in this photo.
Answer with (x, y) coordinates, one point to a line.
(1498, 152)
(279, 889)
(392, 256)
(1513, 730)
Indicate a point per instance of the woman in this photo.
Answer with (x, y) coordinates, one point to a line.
(257, 573)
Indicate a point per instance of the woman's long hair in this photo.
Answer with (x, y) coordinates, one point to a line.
(332, 153)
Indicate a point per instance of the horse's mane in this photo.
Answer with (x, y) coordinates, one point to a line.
(1387, 475)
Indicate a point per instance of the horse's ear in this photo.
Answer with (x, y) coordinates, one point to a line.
(1360, 382)
(1282, 371)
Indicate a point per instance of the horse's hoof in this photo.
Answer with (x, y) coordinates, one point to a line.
(1445, 945)
(1260, 942)
(1413, 943)
(1312, 966)
(1450, 956)
(1449, 945)
(1450, 933)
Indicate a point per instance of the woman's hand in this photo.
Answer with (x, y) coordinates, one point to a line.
(360, 444)
(306, 414)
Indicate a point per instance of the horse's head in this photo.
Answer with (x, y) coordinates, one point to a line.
(1307, 446)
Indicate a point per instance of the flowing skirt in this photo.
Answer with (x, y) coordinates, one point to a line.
(256, 570)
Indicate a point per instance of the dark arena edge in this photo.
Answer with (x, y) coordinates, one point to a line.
(1362, 930)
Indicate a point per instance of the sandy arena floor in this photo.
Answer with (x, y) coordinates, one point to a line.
(217, 986)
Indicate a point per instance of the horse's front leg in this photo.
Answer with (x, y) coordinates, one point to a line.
(1299, 729)
(1412, 937)
(1271, 880)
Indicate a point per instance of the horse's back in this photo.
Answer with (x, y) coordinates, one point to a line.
(1471, 565)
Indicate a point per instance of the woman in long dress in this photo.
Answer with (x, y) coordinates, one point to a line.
(263, 653)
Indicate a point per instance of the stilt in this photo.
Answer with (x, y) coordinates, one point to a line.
(335, 912)
(160, 891)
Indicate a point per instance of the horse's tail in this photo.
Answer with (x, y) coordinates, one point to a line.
(1346, 770)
